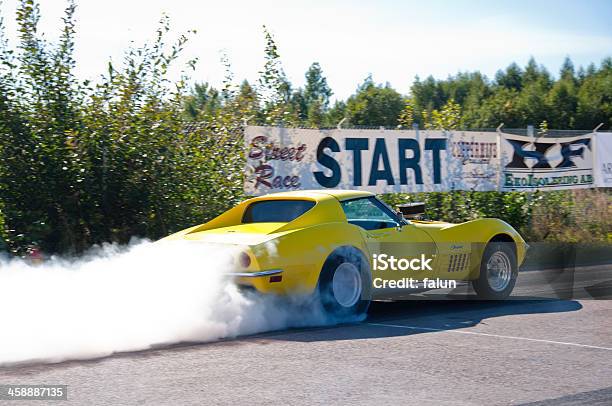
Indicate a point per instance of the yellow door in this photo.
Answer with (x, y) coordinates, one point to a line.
(402, 255)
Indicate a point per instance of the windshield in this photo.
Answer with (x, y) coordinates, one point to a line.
(276, 211)
(369, 213)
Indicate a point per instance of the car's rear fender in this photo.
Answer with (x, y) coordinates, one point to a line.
(300, 256)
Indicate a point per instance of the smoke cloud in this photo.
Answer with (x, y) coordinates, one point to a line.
(118, 299)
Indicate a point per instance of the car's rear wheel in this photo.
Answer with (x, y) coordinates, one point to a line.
(345, 284)
(498, 271)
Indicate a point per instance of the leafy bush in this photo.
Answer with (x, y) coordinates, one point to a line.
(565, 216)
(81, 164)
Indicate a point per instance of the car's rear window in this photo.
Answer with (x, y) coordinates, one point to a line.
(276, 211)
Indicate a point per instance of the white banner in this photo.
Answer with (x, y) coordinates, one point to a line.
(546, 163)
(603, 160)
(380, 161)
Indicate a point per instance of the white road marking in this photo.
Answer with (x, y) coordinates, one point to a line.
(490, 335)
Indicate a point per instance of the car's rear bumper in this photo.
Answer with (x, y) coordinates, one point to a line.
(257, 274)
(278, 281)
(266, 281)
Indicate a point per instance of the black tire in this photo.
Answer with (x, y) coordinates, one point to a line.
(490, 284)
(345, 258)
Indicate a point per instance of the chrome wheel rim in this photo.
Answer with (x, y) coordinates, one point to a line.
(346, 284)
(499, 271)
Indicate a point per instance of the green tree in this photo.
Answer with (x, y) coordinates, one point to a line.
(501, 107)
(511, 78)
(374, 105)
(204, 101)
(562, 101)
(316, 96)
(335, 114)
(247, 101)
(83, 164)
(406, 117)
(42, 167)
(594, 98)
(317, 89)
(274, 87)
(567, 71)
(448, 118)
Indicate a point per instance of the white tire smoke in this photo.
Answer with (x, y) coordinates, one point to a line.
(126, 299)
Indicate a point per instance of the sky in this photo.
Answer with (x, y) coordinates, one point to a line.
(392, 40)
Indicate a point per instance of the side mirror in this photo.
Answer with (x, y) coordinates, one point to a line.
(412, 210)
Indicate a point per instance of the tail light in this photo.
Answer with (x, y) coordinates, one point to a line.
(244, 259)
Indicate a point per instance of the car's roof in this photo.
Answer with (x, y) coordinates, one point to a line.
(319, 194)
(347, 194)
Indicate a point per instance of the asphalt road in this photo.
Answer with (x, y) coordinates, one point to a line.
(552, 352)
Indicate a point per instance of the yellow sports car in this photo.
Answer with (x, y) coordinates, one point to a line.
(349, 247)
